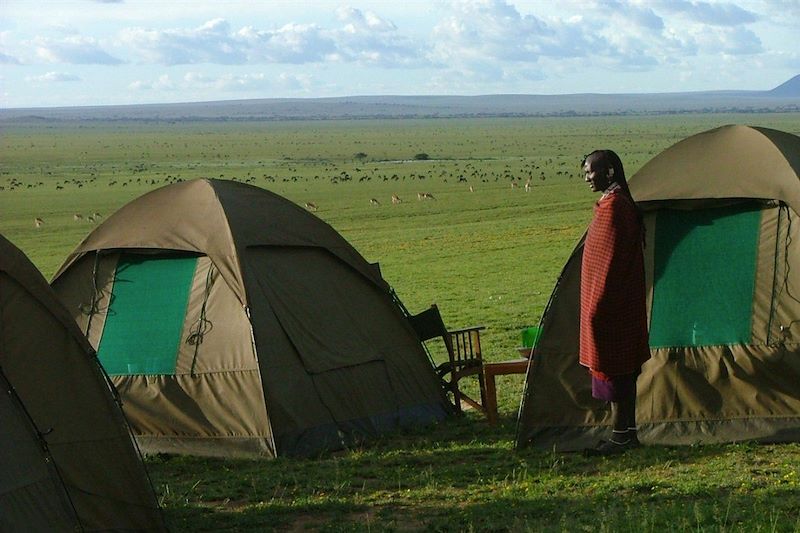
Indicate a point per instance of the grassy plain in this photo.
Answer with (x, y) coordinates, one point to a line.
(489, 256)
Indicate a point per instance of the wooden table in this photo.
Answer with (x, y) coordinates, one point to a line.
(490, 370)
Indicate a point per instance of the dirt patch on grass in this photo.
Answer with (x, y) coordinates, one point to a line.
(226, 504)
(380, 517)
(308, 523)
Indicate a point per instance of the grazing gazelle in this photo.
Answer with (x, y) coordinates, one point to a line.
(425, 196)
(38, 222)
(374, 201)
(396, 199)
(311, 206)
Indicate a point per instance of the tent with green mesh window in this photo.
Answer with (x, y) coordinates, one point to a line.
(68, 461)
(722, 261)
(235, 323)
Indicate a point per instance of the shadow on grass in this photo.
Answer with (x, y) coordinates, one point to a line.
(459, 475)
(545, 511)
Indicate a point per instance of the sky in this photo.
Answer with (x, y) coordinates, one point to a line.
(89, 52)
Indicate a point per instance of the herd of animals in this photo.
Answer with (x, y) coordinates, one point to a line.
(38, 222)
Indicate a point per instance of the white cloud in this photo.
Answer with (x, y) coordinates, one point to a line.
(364, 37)
(714, 14)
(295, 82)
(450, 46)
(162, 83)
(783, 8)
(53, 77)
(490, 29)
(616, 35)
(630, 33)
(493, 30)
(369, 39)
(243, 82)
(292, 43)
(210, 43)
(6, 59)
(622, 13)
(731, 41)
(139, 85)
(356, 20)
(74, 49)
(198, 79)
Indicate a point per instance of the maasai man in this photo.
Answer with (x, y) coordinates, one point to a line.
(613, 335)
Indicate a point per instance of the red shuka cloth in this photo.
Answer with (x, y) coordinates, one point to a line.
(613, 338)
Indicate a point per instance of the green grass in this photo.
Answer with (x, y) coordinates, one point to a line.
(486, 257)
(469, 478)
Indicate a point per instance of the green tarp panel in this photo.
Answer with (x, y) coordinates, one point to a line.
(704, 276)
(142, 332)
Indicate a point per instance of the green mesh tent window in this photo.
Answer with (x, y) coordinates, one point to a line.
(704, 276)
(142, 332)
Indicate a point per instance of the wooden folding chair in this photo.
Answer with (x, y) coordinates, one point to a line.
(463, 351)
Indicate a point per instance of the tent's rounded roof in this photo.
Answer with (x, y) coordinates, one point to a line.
(727, 162)
(218, 218)
(16, 265)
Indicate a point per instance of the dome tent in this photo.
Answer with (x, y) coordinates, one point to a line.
(67, 458)
(235, 323)
(721, 217)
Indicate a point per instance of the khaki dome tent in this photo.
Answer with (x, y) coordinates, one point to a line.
(67, 458)
(235, 323)
(723, 275)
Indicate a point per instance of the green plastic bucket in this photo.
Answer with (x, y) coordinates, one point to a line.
(530, 336)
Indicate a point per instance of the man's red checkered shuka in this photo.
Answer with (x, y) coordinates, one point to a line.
(613, 334)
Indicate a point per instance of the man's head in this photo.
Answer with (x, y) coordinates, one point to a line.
(602, 168)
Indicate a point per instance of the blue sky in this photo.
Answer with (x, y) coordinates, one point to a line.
(69, 52)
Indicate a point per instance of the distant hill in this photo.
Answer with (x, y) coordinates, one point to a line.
(790, 88)
(785, 97)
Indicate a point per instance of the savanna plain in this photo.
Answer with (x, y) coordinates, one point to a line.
(484, 248)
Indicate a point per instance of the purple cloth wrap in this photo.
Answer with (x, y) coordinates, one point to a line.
(614, 389)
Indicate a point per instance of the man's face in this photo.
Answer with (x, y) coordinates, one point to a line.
(596, 177)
